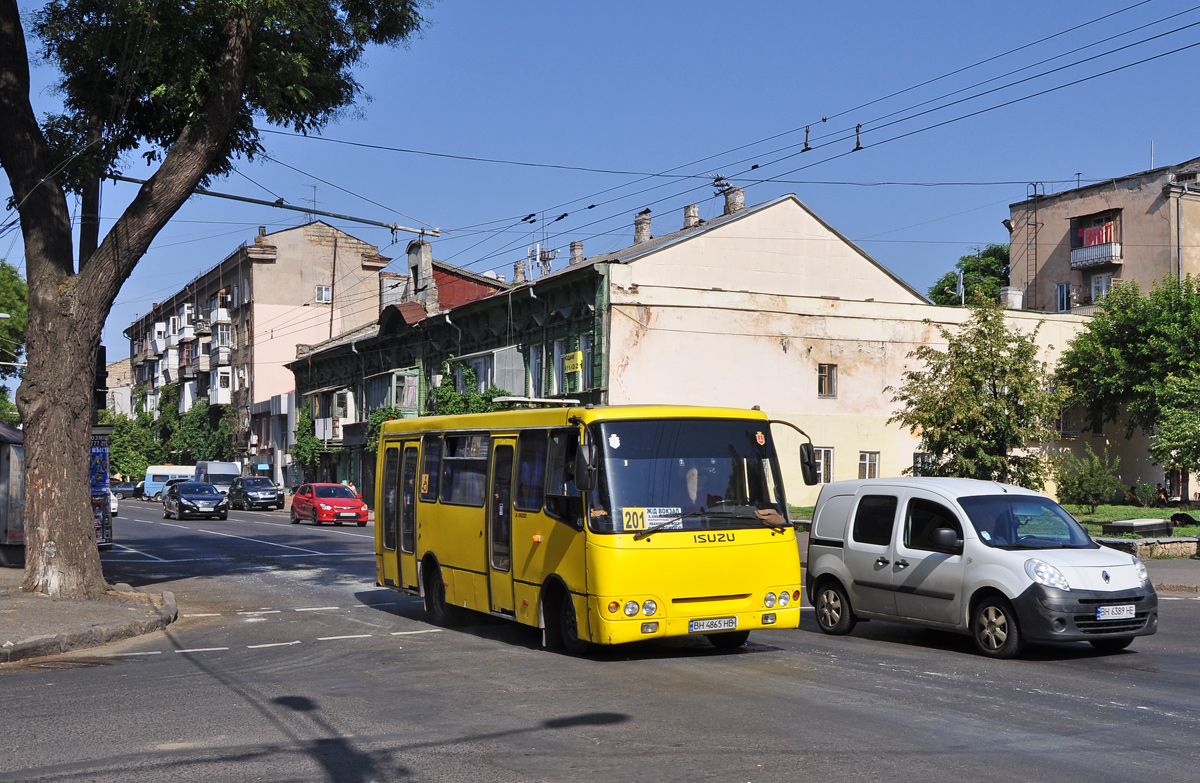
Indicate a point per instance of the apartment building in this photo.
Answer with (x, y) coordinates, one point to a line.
(227, 335)
(1068, 249)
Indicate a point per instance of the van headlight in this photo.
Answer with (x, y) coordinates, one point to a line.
(1045, 574)
(1140, 569)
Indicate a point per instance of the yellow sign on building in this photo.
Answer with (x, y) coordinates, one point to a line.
(573, 362)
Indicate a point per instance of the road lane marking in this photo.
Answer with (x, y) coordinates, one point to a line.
(129, 654)
(276, 644)
(316, 608)
(203, 614)
(259, 541)
(139, 552)
(410, 633)
(336, 638)
(261, 611)
(181, 527)
(339, 532)
(203, 649)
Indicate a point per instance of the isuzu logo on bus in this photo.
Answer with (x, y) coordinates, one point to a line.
(713, 538)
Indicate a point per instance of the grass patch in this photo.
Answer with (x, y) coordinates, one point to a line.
(800, 512)
(1094, 522)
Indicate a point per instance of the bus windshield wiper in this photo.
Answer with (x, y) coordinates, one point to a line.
(666, 524)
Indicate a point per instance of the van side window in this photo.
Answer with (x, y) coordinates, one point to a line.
(924, 517)
(431, 451)
(874, 518)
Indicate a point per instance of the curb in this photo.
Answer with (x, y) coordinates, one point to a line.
(1172, 588)
(95, 636)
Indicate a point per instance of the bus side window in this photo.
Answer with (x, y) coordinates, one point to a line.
(563, 500)
(431, 449)
(390, 464)
(531, 470)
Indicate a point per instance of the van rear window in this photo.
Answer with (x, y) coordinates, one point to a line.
(874, 518)
(159, 479)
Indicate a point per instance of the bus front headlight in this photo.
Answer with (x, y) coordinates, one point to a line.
(631, 608)
(769, 600)
(649, 608)
(784, 599)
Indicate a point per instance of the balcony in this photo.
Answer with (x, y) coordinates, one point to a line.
(222, 355)
(220, 316)
(187, 333)
(1096, 255)
(200, 363)
(158, 345)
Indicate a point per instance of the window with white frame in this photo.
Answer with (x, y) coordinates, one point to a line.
(224, 335)
(585, 372)
(1064, 297)
(922, 463)
(824, 464)
(324, 294)
(868, 464)
(1101, 285)
(482, 366)
(558, 375)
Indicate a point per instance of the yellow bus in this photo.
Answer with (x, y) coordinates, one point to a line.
(599, 525)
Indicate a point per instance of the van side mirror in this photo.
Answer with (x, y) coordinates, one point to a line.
(808, 464)
(946, 540)
(585, 466)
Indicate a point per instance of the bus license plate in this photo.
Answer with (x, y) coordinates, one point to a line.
(1122, 612)
(712, 624)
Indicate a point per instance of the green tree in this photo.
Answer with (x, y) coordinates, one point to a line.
(985, 272)
(8, 409)
(1135, 342)
(1176, 441)
(1086, 482)
(983, 404)
(14, 301)
(132, 447)
(306, 450)
(375, 424)
(447, 400)
(185, 82)
(189, 441)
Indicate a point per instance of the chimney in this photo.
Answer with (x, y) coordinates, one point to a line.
(420, 272)
(519, 272)
(735, 200)
(641, 227)
(576, 252)
(691, 216)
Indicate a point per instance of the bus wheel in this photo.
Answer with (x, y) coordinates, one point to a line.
(441, 612)
(730, 640)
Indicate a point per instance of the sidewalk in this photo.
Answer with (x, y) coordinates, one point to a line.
(32, 626)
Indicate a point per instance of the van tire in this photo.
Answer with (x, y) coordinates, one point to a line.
(994, 628)
(834, 615)
(729, 640)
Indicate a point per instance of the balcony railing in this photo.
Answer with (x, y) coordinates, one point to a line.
(200, 362)
(1096, 255)
(222, 355)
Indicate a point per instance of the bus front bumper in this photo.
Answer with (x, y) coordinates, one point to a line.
(622, 629)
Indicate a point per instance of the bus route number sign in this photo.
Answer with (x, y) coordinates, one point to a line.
(634, 519)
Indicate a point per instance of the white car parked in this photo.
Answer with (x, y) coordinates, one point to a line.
(1001, 563)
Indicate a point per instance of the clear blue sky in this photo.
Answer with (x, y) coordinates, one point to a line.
(695, 88)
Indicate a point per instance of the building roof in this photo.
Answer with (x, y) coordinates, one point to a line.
(1187, 165)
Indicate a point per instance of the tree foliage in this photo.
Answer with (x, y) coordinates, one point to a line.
(984, 273)
(983, 404)
(306, 450)
(185, 82)
(1132, 345)
(1176, 441)
(446, 400)
(375, 424)
(14, 300)
(1090, 481)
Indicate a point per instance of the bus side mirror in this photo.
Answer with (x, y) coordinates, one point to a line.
(585, 467)
(808, 464)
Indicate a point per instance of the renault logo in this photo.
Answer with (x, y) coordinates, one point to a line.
(1104, 576)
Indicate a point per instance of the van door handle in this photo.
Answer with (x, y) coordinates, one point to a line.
(882, 561)
(901, 564)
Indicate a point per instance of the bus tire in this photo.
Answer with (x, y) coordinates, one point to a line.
(561, 630)
(729, 640)
(439, 611)
(568, 627)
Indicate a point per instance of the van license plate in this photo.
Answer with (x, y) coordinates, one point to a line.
(1122, 612)
(712, 624)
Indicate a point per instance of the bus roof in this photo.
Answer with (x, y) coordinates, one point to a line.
(551, 417)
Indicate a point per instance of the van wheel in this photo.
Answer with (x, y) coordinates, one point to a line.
(157, 497)
(1111, 645)
(439, 611)
(994, 628)
(834, 615)
(731, 640)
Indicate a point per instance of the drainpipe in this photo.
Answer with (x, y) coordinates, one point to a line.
(456, 329)
(1179, 234)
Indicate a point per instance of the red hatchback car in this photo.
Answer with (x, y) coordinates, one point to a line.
(328, 503)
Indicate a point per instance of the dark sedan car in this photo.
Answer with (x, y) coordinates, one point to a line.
(251, 492)
(193, 498)
(122, 489)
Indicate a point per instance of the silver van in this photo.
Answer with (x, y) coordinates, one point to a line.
(1002, 563)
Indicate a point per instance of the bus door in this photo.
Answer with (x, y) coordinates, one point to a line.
(408, 516)
(499, 538)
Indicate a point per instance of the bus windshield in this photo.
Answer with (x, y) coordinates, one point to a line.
(685, 474)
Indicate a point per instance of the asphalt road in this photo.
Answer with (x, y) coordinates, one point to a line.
(288, 664)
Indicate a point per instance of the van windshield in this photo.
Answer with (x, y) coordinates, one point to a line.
(685, 474)
(1024, 522)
